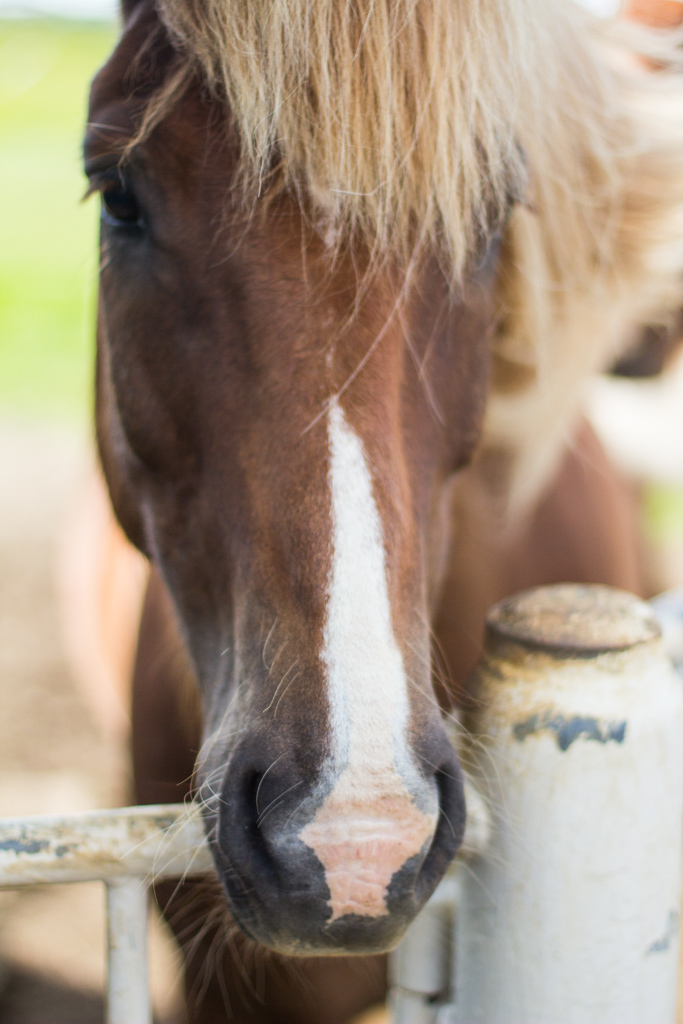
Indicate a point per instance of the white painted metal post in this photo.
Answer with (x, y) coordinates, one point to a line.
(572, 916)
(420, 969)
(128, 999)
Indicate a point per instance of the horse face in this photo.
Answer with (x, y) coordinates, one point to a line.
(279, 440)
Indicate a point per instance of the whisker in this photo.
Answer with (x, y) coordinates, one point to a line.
(258, 788)
(291, 681)
(276, 802)
(293, 665)
(265, 646)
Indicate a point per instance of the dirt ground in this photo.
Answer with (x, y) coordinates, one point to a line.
(53, 757)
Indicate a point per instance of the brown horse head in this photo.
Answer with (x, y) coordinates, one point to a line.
(279, 419)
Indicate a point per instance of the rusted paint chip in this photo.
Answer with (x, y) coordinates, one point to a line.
(24, 845)
(662, 945)
(576, 620)
(567, 730)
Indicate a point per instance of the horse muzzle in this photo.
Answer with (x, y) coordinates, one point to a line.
(328, 868)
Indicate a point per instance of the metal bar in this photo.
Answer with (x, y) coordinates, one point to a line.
(572, 915)
(421, 968)
(148, 842)
(128, 998)
(161, 841)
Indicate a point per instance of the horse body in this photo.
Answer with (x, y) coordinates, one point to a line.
(285, 397)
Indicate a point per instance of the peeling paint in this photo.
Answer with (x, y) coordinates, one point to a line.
(166, 840)
(663, 944)
(567, 730)
(24, 845)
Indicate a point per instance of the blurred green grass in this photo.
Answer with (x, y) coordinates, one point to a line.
(663, 512)
(48, 260)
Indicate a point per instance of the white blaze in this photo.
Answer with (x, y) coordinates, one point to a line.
(367, 684)
(368, 825)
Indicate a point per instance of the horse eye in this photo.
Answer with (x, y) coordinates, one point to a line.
(119, 205)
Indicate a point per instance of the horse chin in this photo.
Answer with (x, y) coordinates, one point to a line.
(310, 932)
(353, 938)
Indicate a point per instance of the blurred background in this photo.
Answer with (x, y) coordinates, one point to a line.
(63, 744)
(57, 752)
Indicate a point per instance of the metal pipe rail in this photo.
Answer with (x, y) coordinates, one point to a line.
(127, 849)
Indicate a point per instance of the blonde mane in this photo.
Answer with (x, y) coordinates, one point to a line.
(417, 124)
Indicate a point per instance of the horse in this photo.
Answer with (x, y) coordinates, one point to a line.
(357, 261)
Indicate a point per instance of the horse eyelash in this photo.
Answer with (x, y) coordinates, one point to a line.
(90, 190)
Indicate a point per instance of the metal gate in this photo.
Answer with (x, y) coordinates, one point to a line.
(564, 904)
(127, 849)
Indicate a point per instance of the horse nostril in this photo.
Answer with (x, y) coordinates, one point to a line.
(239, 835)
(257, 812)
